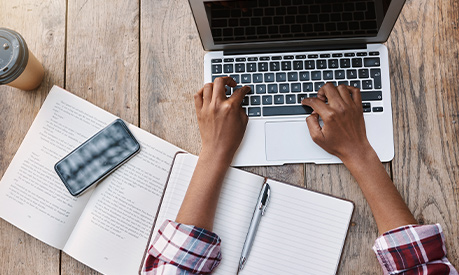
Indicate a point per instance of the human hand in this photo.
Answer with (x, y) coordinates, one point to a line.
(343, 132)
(222, 121)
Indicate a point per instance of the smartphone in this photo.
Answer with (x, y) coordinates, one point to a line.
(97, 157)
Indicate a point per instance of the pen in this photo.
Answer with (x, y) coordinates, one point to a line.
(259, 211)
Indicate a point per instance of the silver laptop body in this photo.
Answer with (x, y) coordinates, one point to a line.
(286, 50)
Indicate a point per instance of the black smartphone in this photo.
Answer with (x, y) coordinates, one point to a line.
(97, 157)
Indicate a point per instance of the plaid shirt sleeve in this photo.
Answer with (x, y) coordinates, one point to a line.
(183, 249)
(413, 249)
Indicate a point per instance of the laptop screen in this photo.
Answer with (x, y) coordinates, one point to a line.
(289, 20)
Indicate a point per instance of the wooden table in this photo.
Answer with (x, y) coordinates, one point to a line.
(142, 60)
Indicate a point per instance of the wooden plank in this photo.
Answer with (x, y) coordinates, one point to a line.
(336, 180)
(171, 72)
(42, 24)
(102, 65)
(424, 51)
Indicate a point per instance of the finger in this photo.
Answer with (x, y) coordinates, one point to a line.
(314, 128)
(219, 89)
(319, 106)
(239, 95)
(207, 93)
(356, 95)
(331, 93)
(345, 94)
(198, 100)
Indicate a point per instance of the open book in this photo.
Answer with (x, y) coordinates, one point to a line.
(107, 227)
(302, 232)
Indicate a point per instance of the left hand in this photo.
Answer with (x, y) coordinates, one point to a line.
(222, 121)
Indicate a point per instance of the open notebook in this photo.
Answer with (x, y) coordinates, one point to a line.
(302, 232)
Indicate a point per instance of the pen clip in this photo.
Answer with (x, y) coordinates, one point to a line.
(265, 198)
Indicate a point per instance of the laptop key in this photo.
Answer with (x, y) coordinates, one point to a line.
(304, 76)
(318, 85)
(372, 62)
(377, 109)
(376, 75)
(246, 78)
(308, 87)
(260, 89)
(297, 65)
(263, 66)
(235, 77)
(371, 96)
(343, 83)
(367, 84)
(296, 87)
(281, 77)
(309, 64)
(216, 61)
(321, 64)
(267, 100)
(217, 69)
(254, 111)
(257, 78)
(286, 65)
(355, 83)
(328, 75)
(245, 101)
(290, 99)
(339, 74)
(316, 75)
(269, 77)
(356, 62)
(345, 63)
(240, 67)
(286, 110)
(301, 97)
(313, 95)
(251, 67)
(284, 88)
(228, 68)
(279, 99)
(255, 100)
(272, 89)
(363, 73)
(292, 76)
(274, 66)
(333, 63)
(351, 74)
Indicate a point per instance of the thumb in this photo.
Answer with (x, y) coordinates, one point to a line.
(314, 128)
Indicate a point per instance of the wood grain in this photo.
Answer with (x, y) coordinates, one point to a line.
(42, 24)
(143, 61)
(102, 66)
(424, 64)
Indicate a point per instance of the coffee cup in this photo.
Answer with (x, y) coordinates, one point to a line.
(19, 68)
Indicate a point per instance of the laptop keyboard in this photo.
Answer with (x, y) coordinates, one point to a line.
(280, 82)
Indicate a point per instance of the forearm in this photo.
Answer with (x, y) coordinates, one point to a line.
(388, 207)
(200, 202)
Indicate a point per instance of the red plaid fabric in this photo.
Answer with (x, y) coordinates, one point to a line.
(183, 249)
(413, 249)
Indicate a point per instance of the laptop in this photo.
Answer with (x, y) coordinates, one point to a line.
(287, 50)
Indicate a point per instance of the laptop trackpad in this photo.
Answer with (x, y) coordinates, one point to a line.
(290, 140)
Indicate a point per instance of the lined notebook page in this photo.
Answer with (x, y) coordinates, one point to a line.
(302, 232)
(234, 211)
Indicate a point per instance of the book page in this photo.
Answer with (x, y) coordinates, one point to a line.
(113, 230)
(32, 196)
(302, 232)
(234, 211)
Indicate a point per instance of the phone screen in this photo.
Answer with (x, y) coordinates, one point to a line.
(97, 157)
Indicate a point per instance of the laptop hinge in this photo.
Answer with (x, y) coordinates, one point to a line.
(295, 49)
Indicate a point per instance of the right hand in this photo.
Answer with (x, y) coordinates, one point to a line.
(222, 121)
(343, 133)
